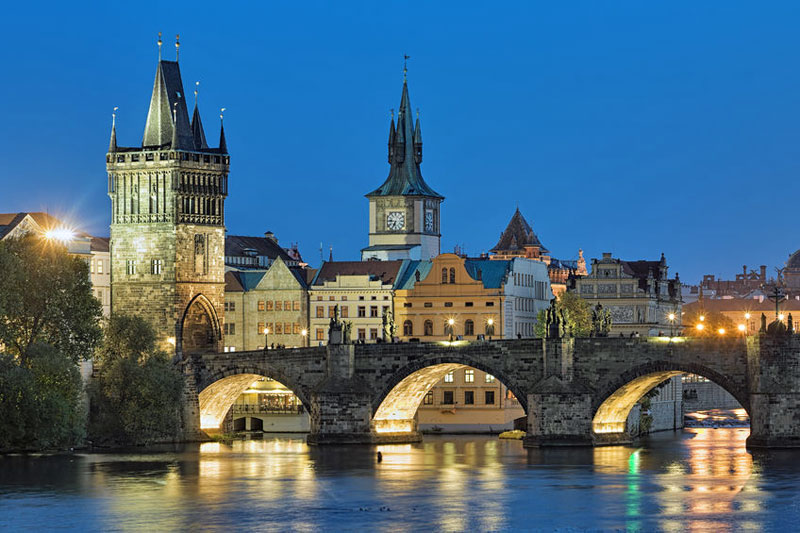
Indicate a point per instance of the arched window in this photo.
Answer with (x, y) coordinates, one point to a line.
(469, 327)
(408, 328)
(444, 275)
(428, 328)
(452, 275)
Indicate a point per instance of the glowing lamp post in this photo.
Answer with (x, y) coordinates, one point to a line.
(266, 339)
(450, 327)
(742, 328)
(700, 327)
(304, 333)
(671, 318)
(490, 327)
(721, 331)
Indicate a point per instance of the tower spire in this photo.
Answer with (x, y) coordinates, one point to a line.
(223, 146)
(198, 134)
(177, 45)
(112, 144)
(391, 136)
(406, 57)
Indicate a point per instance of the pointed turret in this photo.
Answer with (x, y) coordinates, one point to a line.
(198, 135)
(517, 236)
(405, 176)
(223, 146)
(168, 111)
(112, 144)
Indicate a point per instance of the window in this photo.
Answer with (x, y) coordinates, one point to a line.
(229, 328)
(362, 311)
(296, 328)
(361, 298)
(91, 266)
(277, 305)
(319, 298)
(406, 304)
(489, 304)
(374, 298)
(469, 327)
(130, 267)
(448, 398)
(489, 378)
(469, 376)
(296, 305)
(373, 334)
(155, 266)
(469, 397)
(488, 397)
(287, 328)
(428, 304)
(269, 305)
(331, 310)
(373, 311)
(467, 304)
(344, 298)
(229, 306)
(287, 305)
(332, 298)
(448, 304)
(345, 311)
(320, 311)
(362, 334)
(452, 275)
(320, 334)
(261, 305)
(100, 266)
(428, 400)
(270, 328)
(428, 328)
(278, 328)
(260, 328)
(444, 275)
(408, 328)
(448, 378)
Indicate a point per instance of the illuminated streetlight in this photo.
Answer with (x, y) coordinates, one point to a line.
(741, 327)
(700, 327)
(702, 318)
(266, 342)
(450, 324)
(780, 316)
(747, 316)
(671, 318)
(171, 340)
(61, 234)
(304, 333)
(721, 331)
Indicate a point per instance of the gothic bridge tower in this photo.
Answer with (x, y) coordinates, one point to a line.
(404, 221)
(168, 221)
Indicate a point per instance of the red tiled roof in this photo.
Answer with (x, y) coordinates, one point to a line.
(386, 271)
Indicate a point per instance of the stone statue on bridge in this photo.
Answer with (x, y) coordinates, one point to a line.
(601, 321)
(338, 330)
(389, 327)
(555, 322)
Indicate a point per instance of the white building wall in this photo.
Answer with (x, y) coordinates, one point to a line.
(527, 291)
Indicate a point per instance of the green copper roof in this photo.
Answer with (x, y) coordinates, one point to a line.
(405, 156)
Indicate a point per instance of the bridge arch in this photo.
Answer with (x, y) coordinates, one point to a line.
(199, 329)
(395, 406)
(614, 401)
(219, 390)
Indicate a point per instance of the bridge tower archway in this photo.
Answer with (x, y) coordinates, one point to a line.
(199, 329)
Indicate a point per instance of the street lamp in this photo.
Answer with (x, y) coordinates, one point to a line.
(671, 318)
(700, 327)
(721, 331)
(450, 324)
(741, 327)
(490, 328)
(266, 341)
(304, 333)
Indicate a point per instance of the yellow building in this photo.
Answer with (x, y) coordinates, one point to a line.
(745, 313)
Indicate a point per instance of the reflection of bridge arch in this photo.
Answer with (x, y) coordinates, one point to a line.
(402, 394)
(219, 391)
(613, 401)
(199, 330)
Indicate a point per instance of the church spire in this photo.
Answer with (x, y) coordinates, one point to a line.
(112, 144)
(405, 153)
(223, 146)
(198, 135)
(168, 110)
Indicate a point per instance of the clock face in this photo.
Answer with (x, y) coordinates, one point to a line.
(429, 220)
(395, 220)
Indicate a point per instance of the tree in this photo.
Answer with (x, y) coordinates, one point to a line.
(578, 313)
(40, 401)
(540, 327)
(136, 396)
(712, 322)
(46, 297)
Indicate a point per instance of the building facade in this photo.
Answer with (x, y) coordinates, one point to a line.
(639, 295)
(404, 212)
(363, 292)
(168, 221)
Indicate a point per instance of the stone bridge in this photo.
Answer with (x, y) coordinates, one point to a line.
(574, 391)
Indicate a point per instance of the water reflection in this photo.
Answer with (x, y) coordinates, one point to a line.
(698, 480)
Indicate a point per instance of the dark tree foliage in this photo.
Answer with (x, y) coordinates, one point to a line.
(136, 394)
(40, 401)
(46, 297)
(577, 311)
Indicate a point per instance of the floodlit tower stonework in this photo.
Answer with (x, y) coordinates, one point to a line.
(168, 221)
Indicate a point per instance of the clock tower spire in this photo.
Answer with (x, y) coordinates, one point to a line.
(404, 211)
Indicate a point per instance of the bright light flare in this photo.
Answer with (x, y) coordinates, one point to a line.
(702, 318)
(671, 317)
(451, 321)
(780, 316)
(741, 327)
(700, 327)
(721, 331)
(490, 321)
(304, 332)
(61, 234)
(171, 340)
(747, 316)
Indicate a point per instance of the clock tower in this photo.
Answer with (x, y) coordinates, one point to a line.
(404, 212)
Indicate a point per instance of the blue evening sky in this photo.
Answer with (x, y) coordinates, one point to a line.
(629, 127)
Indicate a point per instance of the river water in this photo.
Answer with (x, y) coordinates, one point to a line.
(699, 479)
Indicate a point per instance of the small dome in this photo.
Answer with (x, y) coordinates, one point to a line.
(794, 261)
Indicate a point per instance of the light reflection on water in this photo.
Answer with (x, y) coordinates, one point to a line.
(697, 480)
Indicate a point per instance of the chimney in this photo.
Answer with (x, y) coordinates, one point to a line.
(763, 272)
(606, 255)
(271, 236)
(744, 271)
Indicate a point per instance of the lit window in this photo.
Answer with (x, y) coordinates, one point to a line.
(373, 311)
(155, 266)
(320, 334)
(469, 376)
(489, 378)
(448, 378)
(261, 306)
(373, 334)
(428, 400)
(130, 267)
(269, 305)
